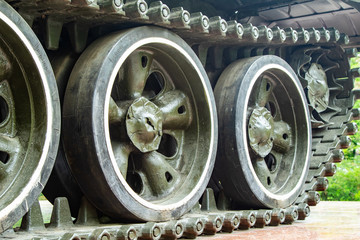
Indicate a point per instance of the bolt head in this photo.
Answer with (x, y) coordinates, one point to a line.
(132, 235)
(199, 226)
(186, 17)
(205, 22)
(165, 12)
(178, 229)
(142, 7)
(156, 232)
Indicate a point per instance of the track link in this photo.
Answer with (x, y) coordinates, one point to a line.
(78, 15)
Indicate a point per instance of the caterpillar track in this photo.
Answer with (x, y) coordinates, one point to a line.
(139, 83)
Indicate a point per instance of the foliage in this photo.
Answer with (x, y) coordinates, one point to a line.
(345, 185)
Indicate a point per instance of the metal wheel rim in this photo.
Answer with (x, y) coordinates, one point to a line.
(207, 166)
(167, 45)
(29, 130)
(276, 193)
(254, 176)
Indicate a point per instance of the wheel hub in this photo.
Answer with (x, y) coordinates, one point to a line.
(144, 125)
(261, 131)
(318, 89)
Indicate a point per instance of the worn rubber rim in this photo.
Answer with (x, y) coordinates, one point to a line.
(30, 126)
(192, 129)
(61, 182)
(263, 115)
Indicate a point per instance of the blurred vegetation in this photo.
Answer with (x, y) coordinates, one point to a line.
(345, 184)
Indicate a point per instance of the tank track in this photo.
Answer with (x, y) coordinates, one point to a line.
(195, 28)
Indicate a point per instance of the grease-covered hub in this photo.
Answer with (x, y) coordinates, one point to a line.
(144, 125)
(261, 131)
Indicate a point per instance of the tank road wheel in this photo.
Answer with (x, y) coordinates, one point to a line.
(29, 117)
(141, 125)
(265, 136)
(61, 182)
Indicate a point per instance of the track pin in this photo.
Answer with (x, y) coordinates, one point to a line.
(231, 222)
(199, 22)
(291, 35)
(265, 34)
(248, 220)
(304, 35)
(235, 29)
(351, 52)
(303, 210)
(337, 155)
(194, 227)
(351, 128)
(213, 224)
(136, 9)
(315, 35)
(100, 234)
(325, 34)
(356, 112)
(330, 169)
(344, 39)
(180, 18)
(334, 34)
(159, 13)
(173, 230)
(218, 26)
(313, 198)
(345, 142)
(150, 231)
(277, 217)
(279, 35)
(126, 232)
(251, 32)
(322, 183)
(263, 218)
(291, 215)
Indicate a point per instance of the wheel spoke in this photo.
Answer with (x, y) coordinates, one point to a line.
(161, 176)
(136, 71)
(9, 145)
(282, 137)
(263, 172)
(122, 152)
(263, 92)
(176, 110)
(118, 110)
